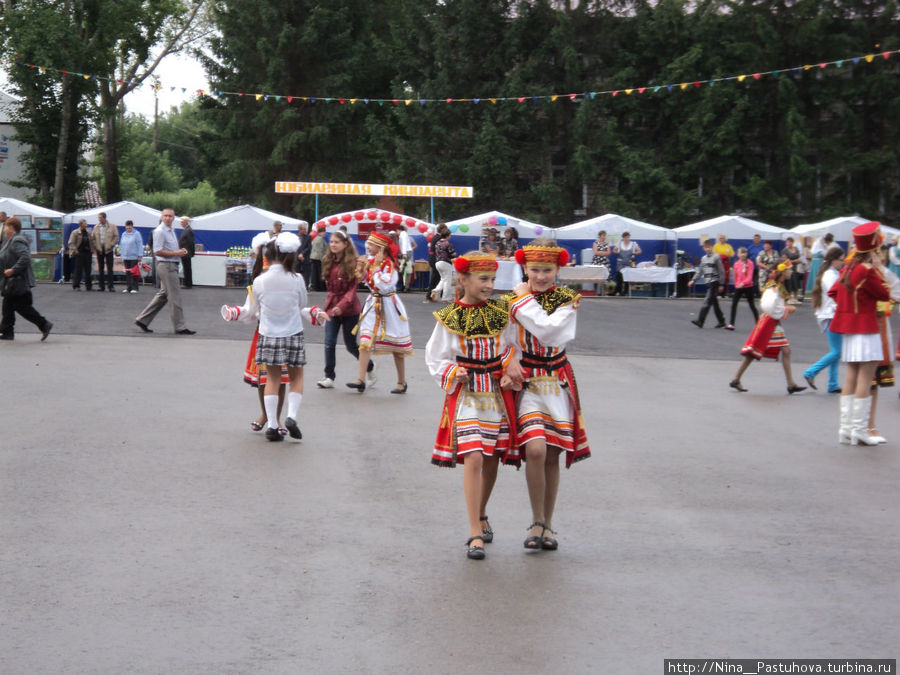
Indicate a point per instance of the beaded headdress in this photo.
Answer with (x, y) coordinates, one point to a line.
(475, 262)
(380, 239)
(548, 255)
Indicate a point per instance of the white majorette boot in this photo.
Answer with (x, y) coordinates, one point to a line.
(844, 429)
(859, 434)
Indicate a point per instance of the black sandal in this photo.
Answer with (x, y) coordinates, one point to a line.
(488, 533)
(400, 389)
(475, 552)
(549, 543)
(534, 542)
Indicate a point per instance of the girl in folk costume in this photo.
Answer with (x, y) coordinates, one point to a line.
(278, 298)
(549, 419)
(861, 286)
(767, 338)
(383, 326)
(252, 375)
(467, 353)
(884, 373)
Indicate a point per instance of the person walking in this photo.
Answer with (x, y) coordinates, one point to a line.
(17, 282)
(712, 272)
(81, 250)
(131, 248)
(317, 250)
(768, 338)
(105, 237)
(824, 306)
(743, 285)
(186, 241)
(471, 344)
(342, 304)
(444, 253)
(383, 325)
(168, 253)
(550, 421)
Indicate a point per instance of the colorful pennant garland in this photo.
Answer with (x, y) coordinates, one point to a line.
(552, 98)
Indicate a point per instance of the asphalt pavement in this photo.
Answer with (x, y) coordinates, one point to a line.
(146, 529)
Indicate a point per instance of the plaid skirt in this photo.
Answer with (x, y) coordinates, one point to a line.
(284, 351)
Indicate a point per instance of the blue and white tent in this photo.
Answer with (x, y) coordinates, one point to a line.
(738, 229)
(577, 238)
(236, 226)
(468, 231)
(145, 219)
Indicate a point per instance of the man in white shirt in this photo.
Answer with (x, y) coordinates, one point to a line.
(167, 252)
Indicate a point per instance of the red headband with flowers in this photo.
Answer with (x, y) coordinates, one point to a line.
(548, 255)
(475, 262)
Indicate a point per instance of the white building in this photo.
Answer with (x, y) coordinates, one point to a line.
(10, 149)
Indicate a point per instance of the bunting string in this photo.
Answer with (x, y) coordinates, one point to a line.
(551, 98)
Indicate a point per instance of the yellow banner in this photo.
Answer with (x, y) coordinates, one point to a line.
(374, 189)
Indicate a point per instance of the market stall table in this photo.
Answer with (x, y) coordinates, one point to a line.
(650, 275)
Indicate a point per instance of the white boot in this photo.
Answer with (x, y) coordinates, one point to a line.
(859, 434)
(844, 428)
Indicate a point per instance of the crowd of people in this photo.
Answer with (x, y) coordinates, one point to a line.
(510, 394)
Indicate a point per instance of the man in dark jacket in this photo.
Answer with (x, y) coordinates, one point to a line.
(186, 241)
(17, 282)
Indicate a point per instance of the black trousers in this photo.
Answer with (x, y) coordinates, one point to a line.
(23, 305)
(131, 282)
(315, 282)
(711, 300)
(187, 272)
(82, 270)
(105, 278)
(748, 292)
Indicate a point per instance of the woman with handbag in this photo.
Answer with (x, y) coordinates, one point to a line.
(18, 280)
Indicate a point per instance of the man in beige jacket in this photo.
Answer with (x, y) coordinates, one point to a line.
(105, 237)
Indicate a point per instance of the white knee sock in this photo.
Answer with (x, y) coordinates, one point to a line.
(271, 403)
(294, 404)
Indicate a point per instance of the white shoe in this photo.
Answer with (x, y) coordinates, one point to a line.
(371, 376)
(132, 291)
(325, 383)
(875, 437)
(125, 291)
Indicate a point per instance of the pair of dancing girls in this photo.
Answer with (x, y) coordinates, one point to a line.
(510, 392)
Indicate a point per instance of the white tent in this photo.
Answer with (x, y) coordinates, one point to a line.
(499, 220)
(652, 239)
(738, 229)
(840, 228)
(144, 218)
(236, 226)
(15, 207)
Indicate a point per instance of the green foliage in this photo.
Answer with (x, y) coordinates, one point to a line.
(186, 202)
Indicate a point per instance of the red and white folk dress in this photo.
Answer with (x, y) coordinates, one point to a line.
(383, 325)
(548, 407)
(476, 414)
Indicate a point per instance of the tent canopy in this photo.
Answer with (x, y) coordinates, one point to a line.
(14, 207)
(733, 227)
(118, 213)
(738, 229)
(145, 219)
(840, 227)
(500, 221)
(653, 239)
(236, 226)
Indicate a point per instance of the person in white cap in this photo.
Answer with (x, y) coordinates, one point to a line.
(278, 298)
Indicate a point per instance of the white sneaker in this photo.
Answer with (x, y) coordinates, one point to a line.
(371, 376)
(132, 291)
(125, 291)
(325, 383)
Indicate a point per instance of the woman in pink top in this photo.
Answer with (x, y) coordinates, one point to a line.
(743, 286)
